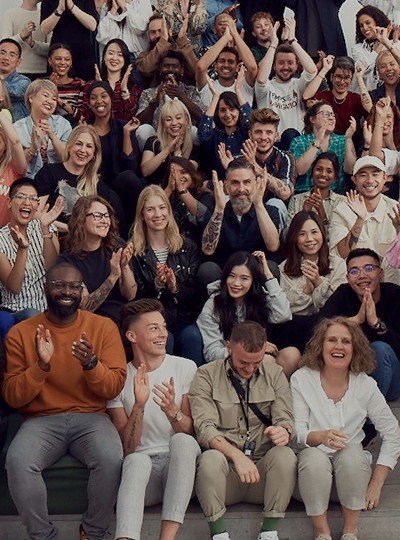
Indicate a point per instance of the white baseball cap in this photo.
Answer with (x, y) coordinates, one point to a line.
(368, 161)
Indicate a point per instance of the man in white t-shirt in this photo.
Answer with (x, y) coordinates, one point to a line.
(283, 93)
(227, 53)
(152, 416)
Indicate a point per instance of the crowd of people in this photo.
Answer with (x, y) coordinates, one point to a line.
(200, 236)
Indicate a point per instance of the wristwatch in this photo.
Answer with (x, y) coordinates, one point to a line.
(183, 191)
(178, 417)
(92, 363)
(380, 327)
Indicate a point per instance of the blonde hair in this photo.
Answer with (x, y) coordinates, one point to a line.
(6, 156)
(139, 229)
(88, 180)
(36, 86)
(175, 106)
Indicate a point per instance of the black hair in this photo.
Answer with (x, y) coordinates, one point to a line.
(362, 252)
(23, 181)
(125, 53)
(379, 17)
(231, 100)
(332, 157)
(11, 40)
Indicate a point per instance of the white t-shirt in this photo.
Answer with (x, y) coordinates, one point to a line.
(156, 430)
(206, 94)
(392, 161)
(286, 99)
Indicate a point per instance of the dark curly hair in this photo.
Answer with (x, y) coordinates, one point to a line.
(379, 17)
(294, 256)
(255, 303)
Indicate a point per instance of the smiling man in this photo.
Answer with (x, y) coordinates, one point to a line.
(62, 365)
(242, 413)
(363, 220)
(375, 306)
(15, 83)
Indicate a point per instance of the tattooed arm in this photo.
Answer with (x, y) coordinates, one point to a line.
(212, 230)
(92, 301)
(279, 188)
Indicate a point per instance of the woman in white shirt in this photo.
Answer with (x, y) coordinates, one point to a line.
(332, 398)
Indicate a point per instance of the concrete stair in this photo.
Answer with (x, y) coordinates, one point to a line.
(243, 520)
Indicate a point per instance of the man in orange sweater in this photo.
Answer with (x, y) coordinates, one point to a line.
(62, 365)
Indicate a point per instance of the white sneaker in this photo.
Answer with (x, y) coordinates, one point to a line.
(268, 535)
(221, 536)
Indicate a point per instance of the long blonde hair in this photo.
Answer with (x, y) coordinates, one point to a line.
(88, 180)
(139, 229)
(175, 106)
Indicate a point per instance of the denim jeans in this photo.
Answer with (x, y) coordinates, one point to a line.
(41, 441)
(387, 371)
(149, 480)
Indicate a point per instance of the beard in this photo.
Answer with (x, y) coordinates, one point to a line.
(241, 204)
(60, 310)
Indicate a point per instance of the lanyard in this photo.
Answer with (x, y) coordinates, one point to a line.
(241, 393)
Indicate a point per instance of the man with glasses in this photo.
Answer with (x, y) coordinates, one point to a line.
(343, 102)
(28, 247)
(62, 366)
(15, 83)
(375, 306)
(367, 218)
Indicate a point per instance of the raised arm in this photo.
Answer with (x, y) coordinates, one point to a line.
(245, 53)
(382, 109)
(265, 65)
(267, 228)
(209, 57)
(304, 58)
(17, 152)
(313, 86)
(212, 231)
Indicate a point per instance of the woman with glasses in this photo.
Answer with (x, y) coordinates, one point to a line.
(319, 136)
(28, 248)
(308, 275)
(76, 175)
(332, 398)
(104, 260)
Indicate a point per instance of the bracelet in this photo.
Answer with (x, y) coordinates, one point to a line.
(315, 145)
(50, 235)
(290, 41)
(55, 12)
(183, 191)
(73, 5)
(365, 147)
(272, 47)
(320, 76)
(379, 125)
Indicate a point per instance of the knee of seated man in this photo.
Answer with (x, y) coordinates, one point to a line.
(282, 458)
(182, 442)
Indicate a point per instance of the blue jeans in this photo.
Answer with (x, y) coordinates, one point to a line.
(187, 342)
(387, 371)
(9, 318)
(41, 441)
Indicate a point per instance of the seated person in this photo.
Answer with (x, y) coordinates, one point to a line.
(308, 274)
(319, 136)
(174, 138)
(345, 104)
(62, 366)
(332, 398)
(165, 265)
(227, 59)
(189, 201)
(242, 222)
(93, 246)
(246, 458)
(363, 219)
(76, 175)
(371, 303)
(28, 247)
(70, 88)
(223, 128)
(320, 199)
(247, 291)
(15, 83)
(119, 165)
(171, 71)
(116, 69)
(43, 134)
(152, 416)
(12, 162)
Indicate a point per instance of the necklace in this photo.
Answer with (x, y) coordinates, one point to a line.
(339, 101)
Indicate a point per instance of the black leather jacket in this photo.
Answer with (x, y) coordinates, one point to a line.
(181, 307)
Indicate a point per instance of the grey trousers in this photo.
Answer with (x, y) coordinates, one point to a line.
(148, 480)
(343, 478)
(218, 485)
(89, 437)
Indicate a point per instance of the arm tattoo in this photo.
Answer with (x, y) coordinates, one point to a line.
(277, 186)
(211, 233)
(97, 297)
(132, 431)
(353, 237)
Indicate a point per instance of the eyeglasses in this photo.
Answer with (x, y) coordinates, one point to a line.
(98, 216)
(327, 114)
(22, 197)
(340, 78)
(355, 271)
(58, 285)
(11, 54)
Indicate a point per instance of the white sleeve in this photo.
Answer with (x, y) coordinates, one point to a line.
(392, 161)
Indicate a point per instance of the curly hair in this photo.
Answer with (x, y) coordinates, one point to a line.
(175, 106)
(363, 360)
(76, 237)
(255, 300)
(396, 122)
(138, 230)
(293, 254)
(88, 180)
(376, 14)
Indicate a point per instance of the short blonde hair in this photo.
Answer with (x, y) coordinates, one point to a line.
(175, 106)
(36, 86)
